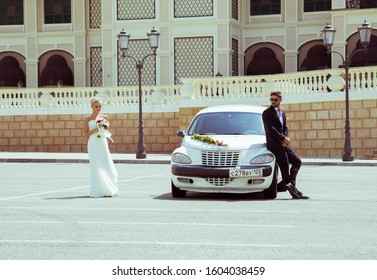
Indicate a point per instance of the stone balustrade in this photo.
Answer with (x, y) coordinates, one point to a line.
(67, 100)
(300, 86)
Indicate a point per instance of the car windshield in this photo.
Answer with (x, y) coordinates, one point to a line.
(227, 123)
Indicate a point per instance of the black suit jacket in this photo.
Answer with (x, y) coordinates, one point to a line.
(275, 131)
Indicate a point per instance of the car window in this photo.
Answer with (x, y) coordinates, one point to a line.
(228, 123)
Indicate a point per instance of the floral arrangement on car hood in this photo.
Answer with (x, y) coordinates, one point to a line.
(208, 139)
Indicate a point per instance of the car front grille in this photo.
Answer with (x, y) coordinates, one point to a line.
(218, 182)
(229, 158)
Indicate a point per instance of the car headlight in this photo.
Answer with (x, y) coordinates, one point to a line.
(181, 158)
(265, 158)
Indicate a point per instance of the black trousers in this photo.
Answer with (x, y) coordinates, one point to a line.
(284, 157)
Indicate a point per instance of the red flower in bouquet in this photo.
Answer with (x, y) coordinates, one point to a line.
(102, 122)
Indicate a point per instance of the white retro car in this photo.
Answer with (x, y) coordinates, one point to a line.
(224, 151)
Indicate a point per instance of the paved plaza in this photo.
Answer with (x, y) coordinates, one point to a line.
(46, 214)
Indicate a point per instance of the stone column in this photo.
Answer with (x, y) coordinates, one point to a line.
(31, 44)
(164, 58)
(223, 52)
(79, 59)
(291, 16)
(109, 46)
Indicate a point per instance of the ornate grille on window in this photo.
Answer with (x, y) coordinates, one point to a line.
(95, 14)
(235, 9)
(234, 57)
(96, 66)
(136, 9)
(193, 8)
(193, 57)
(127, 72)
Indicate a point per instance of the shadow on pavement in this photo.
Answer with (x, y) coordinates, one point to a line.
(214, 196)
(67, 197)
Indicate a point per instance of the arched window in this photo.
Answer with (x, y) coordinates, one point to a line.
(56, 72)
(11, 74)
(264, 62)
(366, 59)
(317, 58)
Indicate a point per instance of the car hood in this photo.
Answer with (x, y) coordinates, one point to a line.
(234, 142)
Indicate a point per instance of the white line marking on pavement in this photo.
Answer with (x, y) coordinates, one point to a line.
(140, 243)
(146, 223)
(41, 193)
(149, 209)
(70, 189)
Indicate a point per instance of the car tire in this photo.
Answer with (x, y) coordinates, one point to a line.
(175, 192)
(271, 192)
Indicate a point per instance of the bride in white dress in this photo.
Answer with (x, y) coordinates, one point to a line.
(104, 176)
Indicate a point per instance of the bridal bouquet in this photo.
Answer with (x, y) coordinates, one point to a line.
(103, 125)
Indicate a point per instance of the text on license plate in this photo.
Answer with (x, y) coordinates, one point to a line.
(245, 173)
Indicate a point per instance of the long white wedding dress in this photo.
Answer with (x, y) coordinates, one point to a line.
(104, 176)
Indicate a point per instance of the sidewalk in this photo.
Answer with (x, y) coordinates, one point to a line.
(151, 159)
(80, 158)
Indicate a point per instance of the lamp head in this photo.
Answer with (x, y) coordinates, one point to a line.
(153, 36)
(328, 36)
(123, 40)
(365, 31)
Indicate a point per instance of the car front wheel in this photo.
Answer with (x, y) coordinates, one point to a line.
(271, 192)
(176, 192)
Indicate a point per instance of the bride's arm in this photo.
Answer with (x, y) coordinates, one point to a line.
(88, 132)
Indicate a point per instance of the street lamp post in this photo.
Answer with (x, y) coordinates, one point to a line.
(123, 40)
(365, 32)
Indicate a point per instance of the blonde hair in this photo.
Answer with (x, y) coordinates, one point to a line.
(95, 99)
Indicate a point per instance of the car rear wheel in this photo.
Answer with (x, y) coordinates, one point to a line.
(177, 192)
(271, 192)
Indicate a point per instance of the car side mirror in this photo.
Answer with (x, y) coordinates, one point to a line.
(181, 133)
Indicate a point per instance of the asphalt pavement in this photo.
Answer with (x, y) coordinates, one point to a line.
(151, 159)
(46, 214)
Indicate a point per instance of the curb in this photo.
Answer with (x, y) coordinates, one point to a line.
(47, 160)
(318, 163)
(167, 161)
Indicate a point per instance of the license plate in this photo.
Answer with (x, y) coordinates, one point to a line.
(236, 173)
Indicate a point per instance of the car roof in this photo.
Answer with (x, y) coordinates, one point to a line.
(233, 108)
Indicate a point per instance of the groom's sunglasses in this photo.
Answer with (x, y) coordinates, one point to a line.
(274, 99)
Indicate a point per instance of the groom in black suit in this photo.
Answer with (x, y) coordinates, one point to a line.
(275, 125)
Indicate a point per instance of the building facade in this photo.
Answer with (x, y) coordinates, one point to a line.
(74, 43)
(56, 54)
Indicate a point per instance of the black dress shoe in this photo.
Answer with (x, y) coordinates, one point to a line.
(281, 187)
(302, 196)
(292, 190)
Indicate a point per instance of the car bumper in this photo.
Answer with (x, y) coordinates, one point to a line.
(204, 171)
(200, 178)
